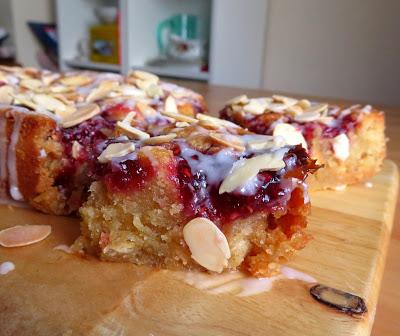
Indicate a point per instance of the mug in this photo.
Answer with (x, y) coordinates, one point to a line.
(178, 37)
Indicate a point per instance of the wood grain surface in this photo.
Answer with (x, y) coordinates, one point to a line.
(54, 293)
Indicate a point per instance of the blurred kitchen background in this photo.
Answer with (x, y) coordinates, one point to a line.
(342, 48)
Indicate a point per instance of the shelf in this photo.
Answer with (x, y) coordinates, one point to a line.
(174, 71)
(83, 64)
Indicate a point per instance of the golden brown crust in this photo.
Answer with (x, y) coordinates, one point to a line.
(367, 152)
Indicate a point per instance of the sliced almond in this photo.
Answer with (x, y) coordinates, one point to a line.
(145, 76)
(60, 89)
(170, 105)
(102, 91)
(23, 235)
(182, 124)
(288, 101)
(255, 107)
(307, 117)
(131, 132)
(228, 141)
(76, 148)
(179, 117)
(318, 108)
(239, 100)
(130, 90)
(78, 80)
(304, 104)
(294, 110)
(116, 150)
(82, 114)
(207, 244)
(216, 121)
(6, 93)
(291, 135)
(158, 140)
(245, 170)
(48, 79)
(155, 90)
(48, 102)
(24, 100)
(267, 143)
(129, 117)
(31, 84)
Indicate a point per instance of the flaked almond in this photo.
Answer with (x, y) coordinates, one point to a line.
(129, 117)
(116, 150)
(83, 113)
(277, 107)
(291, 135)
(60, 89)
(307, 116)
(78, 80)
(131, 132)
(228, 141)
(318, 108)
(48, 102)
(182, 124)
(170, 105)
(268, 143)
(288, 101)
(179, 117)
(102, 91)
(145, 76)
(31, 84)
(304, 104)
(6, 93)
(48, 79)
(146, 109)
(155, 90)
(238, 100)
(22, 235)
(130, 90)
(76, 148)
(256, 107)
(69, 109)
(24, 100)
(160, 139)
(246, 170)
(207, 244)
(294, 110)
(216, 121)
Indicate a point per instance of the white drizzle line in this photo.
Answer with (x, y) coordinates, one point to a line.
(6, 267)
(238, 283)
(12, 159)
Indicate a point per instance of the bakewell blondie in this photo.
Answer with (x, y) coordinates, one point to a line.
(199, 193)
(349, 142)
(51, 125)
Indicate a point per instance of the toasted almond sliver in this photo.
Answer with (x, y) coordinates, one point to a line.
(48, 102)
(155, 90)
(288, 101)
(304, 104)
(228, 141)
(170, 105)
(181, 124)
(294, 110)
(25, 100)
(76, 148)
(6, 92)
(131, 132)
(318, 108)
(216, 121)
(102, 91)
(291, 135)
(116, 150)
(47, 79)
(246, 169)
(146, 109)
(130, 90)
(31, 84)
(83, 113)
(60, 89)
(145, 76)
(157, 140)
(239, 100)
(22, 235)
(308, 116)
(207, 244)
(267, 143)
(78, 80)
(179, 117)
(129, 117)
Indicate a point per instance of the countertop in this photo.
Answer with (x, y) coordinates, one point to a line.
(387, 320)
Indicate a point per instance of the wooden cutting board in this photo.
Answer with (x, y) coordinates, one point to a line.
(54, 293)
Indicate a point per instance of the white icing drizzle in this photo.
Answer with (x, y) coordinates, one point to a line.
(63, 248)
(12, 159)
(238, 283)
(6, 267)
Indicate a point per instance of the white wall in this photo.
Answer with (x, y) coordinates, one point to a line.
(335, 48)
(29, 10)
